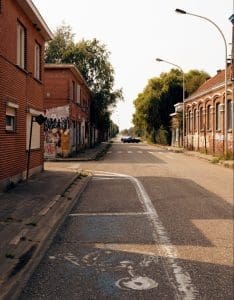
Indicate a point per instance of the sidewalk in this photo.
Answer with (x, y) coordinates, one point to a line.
(208, 157)
(30, 213)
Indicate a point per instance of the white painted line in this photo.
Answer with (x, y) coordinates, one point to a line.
(181, 282)
(109, 214)
(129, 151)
(106, 178)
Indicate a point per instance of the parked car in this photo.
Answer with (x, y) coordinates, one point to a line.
(130, 139)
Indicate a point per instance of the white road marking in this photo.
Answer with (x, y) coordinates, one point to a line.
(110, 214)
(129, 151)
(182, 280)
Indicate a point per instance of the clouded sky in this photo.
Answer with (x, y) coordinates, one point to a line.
(138, 31)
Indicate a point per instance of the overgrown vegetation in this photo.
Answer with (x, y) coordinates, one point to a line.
(155, 104)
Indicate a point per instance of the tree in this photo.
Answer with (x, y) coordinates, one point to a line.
(92, 59)
(194, 79)
(62, 43)
(155, 104)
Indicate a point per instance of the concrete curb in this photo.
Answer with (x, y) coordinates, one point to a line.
(91, 157)
(39, 238)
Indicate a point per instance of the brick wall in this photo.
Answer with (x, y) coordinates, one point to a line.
(19, 87)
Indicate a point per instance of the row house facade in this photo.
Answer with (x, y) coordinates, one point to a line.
(67, 109)
(209, 118)
(23, 35)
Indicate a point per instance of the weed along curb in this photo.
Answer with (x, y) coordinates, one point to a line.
(27, 248)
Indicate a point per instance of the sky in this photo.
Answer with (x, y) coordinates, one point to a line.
(136, 32)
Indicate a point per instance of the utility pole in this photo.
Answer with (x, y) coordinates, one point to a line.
(232, 78)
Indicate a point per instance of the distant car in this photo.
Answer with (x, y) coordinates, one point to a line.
(130, 139)
(126, 139)
(135, 140)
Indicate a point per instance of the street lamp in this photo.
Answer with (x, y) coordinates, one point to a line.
(162, 60)
(180, 11)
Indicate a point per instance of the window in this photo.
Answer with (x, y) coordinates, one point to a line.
(218, 116)
(73, 90)
(78, 94)
(201, 118)
(10, 118)
(209, 117)
(37, 70)
(190, 121)
(229, 114)
(195, 119)
(21, 46)
(36, 133)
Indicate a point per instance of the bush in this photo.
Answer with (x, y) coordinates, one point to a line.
(162, 136)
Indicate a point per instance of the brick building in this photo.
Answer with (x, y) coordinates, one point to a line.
(23, 34)
(67, 103)
(205, 117)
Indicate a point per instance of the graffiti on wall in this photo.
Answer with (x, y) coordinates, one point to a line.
(57, 132)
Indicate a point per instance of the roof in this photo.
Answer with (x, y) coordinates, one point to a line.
(72, 67)
(32, 12)
(213, 82)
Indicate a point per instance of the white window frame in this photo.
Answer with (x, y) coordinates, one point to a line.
(37, 62)
(21, 46)
(11, 111)
(10, 119)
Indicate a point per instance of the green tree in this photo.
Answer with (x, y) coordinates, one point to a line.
(155, 104)
(91, 57)
(62, 43)
(194, 79)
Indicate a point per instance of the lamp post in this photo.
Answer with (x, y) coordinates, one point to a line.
(162, 60)
(180, 11)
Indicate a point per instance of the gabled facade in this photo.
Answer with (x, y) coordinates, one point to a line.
(208, 119)
(67, 104)
(23, 34)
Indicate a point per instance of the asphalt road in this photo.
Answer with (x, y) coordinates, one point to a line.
(151, 224)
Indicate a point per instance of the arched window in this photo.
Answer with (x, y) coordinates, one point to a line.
(209, 126)
(201, 118)
(189, 121)
(229, 114)
(195, 119)
(218, 116)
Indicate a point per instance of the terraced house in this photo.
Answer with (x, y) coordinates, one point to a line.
(67, 104)
(209, 118)
(23, 34)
